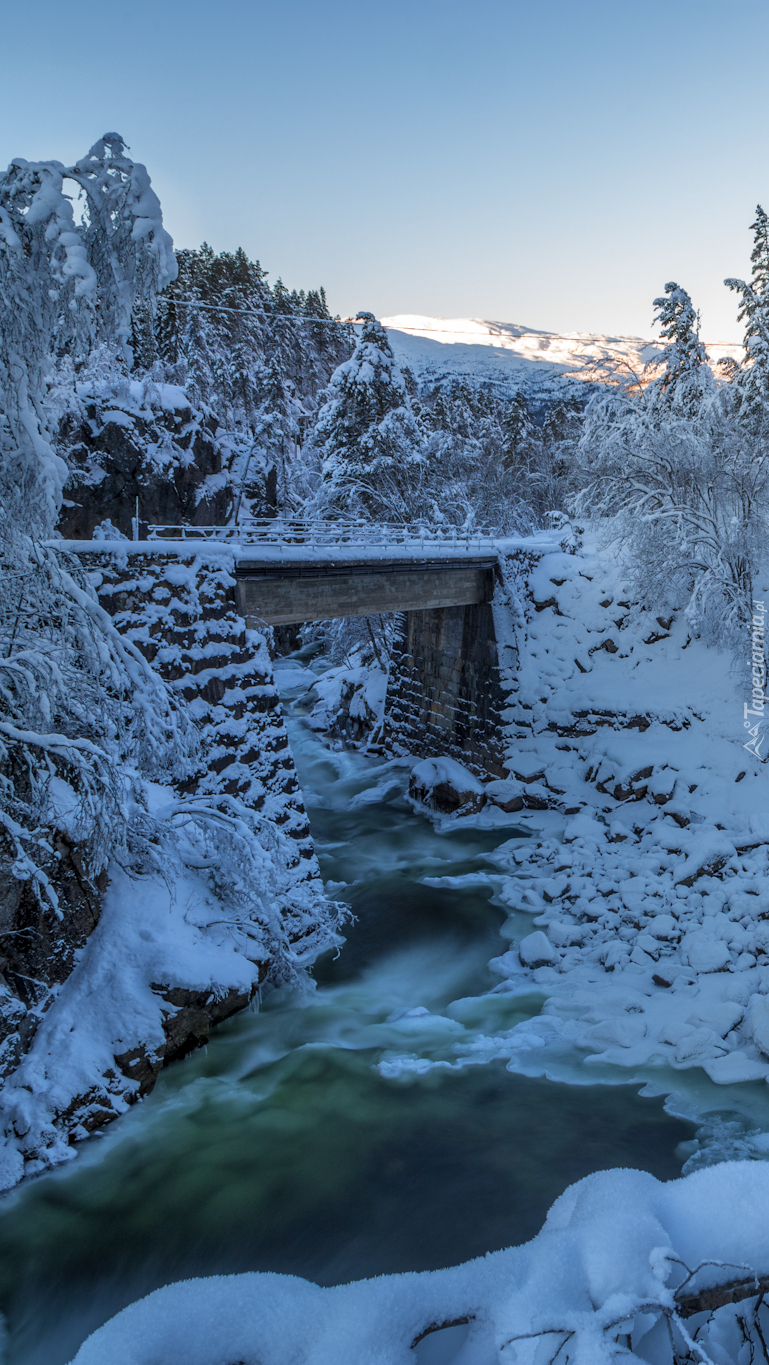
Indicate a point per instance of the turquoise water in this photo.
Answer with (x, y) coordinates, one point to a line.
(281, 1146)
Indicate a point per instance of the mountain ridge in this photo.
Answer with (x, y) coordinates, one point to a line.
(486, 349)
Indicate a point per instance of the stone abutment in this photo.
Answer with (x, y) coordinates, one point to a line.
(444, 694)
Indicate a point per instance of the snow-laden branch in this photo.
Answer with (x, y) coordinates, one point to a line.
(77, 702)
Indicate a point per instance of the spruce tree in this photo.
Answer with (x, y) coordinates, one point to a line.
(562, 423)
(685, 376)
(255, 360)
(366, 435)
(753, 378)
(519, 434)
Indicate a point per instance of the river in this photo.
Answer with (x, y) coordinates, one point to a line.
(282, 1146)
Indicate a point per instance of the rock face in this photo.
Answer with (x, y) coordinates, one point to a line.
(181, 612)
(168, 456)
(186, 1025)
(38, 946)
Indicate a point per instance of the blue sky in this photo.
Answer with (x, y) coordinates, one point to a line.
(550, 163)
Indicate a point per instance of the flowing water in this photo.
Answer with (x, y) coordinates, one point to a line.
(282, 1146)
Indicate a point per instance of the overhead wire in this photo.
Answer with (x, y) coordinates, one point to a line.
(353, 322)
(339, 322)
(259, 313)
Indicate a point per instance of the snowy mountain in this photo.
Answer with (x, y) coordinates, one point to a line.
(505, 351)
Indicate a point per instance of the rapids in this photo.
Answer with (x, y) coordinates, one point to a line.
(282, 1146)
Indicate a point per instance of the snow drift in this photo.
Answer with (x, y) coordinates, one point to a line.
(621, 1268)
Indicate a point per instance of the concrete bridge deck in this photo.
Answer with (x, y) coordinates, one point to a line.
(289, 572)
(290, 592)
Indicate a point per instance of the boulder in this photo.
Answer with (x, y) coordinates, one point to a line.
(704, 953)
(505, 792)
(444, 785)
(536, 950)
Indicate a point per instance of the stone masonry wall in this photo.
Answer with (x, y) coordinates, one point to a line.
(444, 693)
(182, 614)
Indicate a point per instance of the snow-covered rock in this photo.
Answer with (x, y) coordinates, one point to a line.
(704, 953)
(536, 950)
(351, 699)
(442, 784)
(505, 792)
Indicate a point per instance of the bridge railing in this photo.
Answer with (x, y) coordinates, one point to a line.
(316, 534)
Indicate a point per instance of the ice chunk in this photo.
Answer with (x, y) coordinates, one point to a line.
(722, 1018)
(624, 1031)
(735, 1067)
(757, 1022)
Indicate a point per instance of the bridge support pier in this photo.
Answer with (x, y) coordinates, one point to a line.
(444, 694)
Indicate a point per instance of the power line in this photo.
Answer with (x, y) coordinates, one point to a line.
(450, 331)
(418, 331)
(258, 313)
(339, 322)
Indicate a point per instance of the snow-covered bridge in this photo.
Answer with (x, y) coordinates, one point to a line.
(444, 690)
(292, 571)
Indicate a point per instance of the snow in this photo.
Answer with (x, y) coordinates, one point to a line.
(606, 1265)
(484, 349)
(280, 551)
(170, 397)
(646, 881)
(149, 931)
(432, 772)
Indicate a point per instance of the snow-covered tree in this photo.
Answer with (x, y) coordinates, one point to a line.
(543, 457)
(477, 472)
(679, 470)
(254, 359)
(366, 439)
(752, 380)
(519, 432)
(687, 496)
(74, 697)
(684, 379)
(67, 288)
(127, 246)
